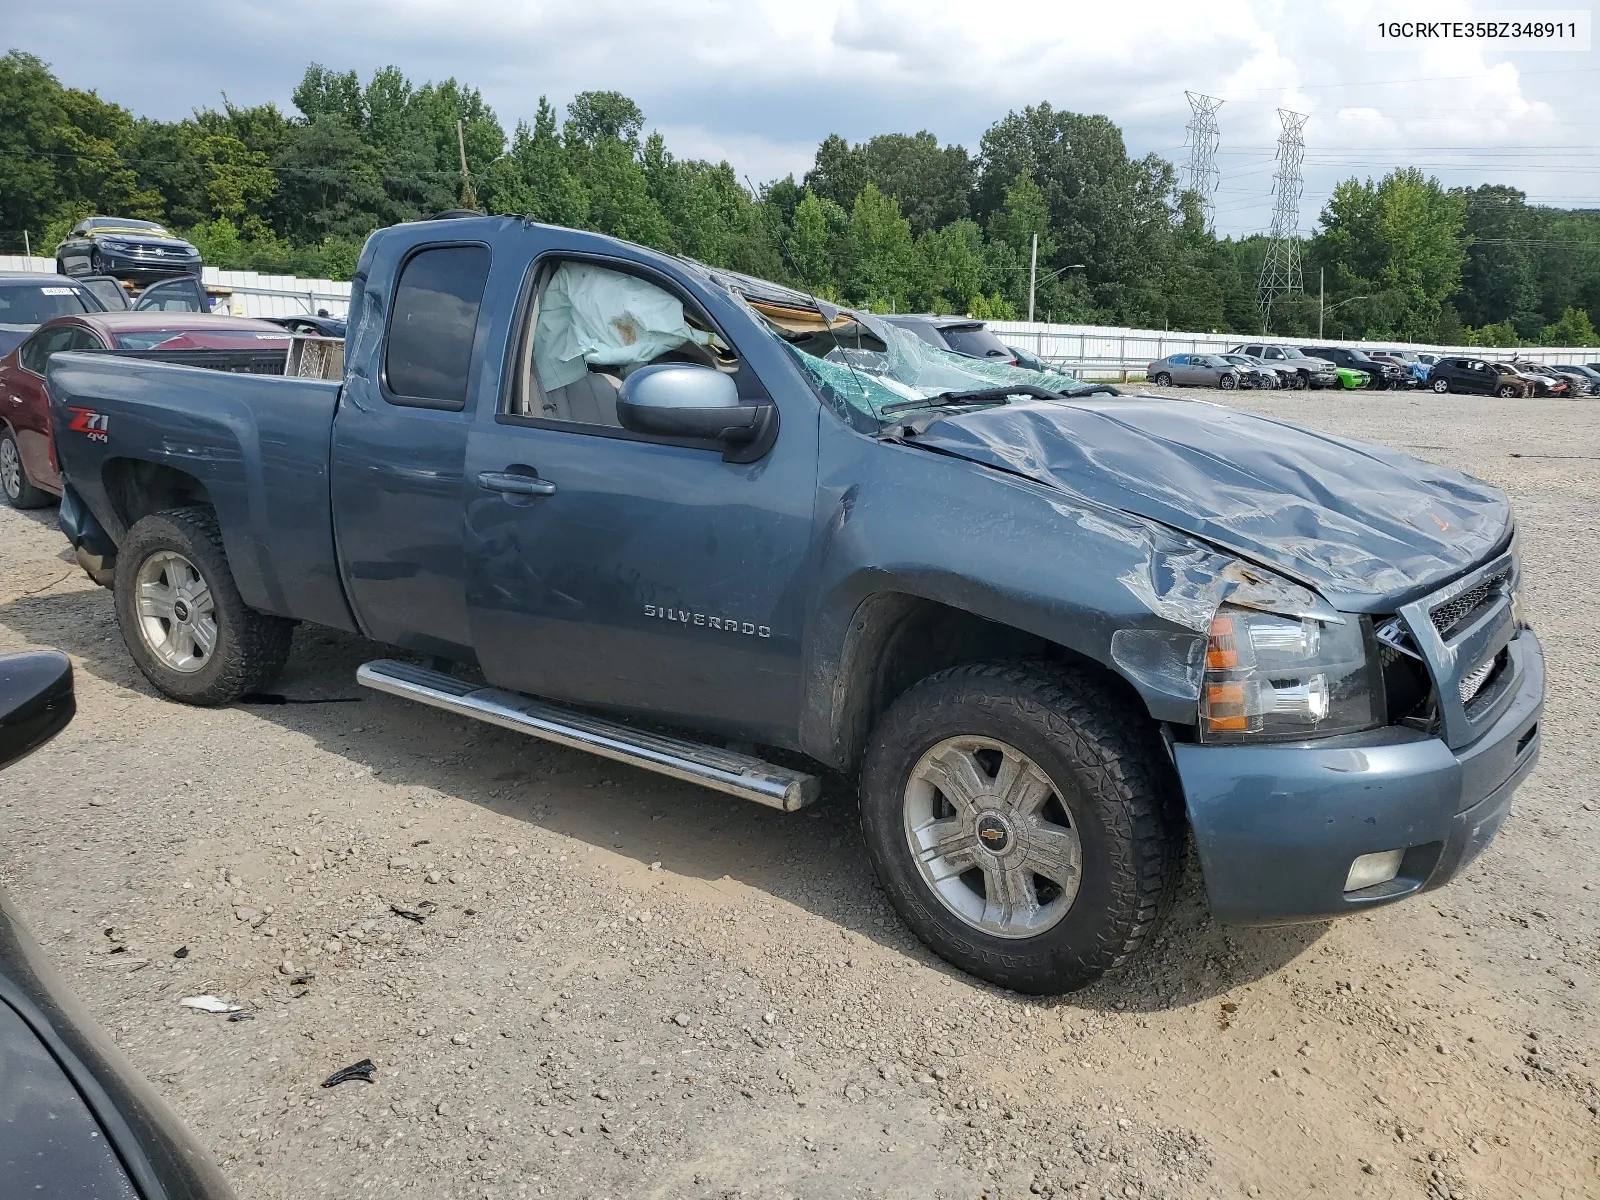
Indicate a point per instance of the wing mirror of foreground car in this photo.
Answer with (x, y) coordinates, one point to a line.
(36, 701)
(689, 401)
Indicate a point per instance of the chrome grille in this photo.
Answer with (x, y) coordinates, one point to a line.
(1454, 612)
(1472, 682)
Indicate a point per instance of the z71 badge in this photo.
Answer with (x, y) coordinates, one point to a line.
(726, 624)
(93, 425)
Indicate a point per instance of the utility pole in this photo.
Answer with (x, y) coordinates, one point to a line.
(1203, 138)
(27, 247)
(1033, 275)
(1280, 271)
(1319, 303)
(468, 200)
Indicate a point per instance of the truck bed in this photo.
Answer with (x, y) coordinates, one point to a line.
(257, 446)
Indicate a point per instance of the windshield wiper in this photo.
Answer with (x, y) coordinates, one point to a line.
(976, 396)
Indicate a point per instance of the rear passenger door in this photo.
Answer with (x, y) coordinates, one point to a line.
(399, 443)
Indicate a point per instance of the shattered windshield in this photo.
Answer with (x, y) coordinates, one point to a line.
(869, 369)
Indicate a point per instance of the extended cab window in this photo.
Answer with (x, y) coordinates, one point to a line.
(591, 328)
(429, 348)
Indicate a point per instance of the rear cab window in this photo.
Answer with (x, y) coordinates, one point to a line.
(976, 341)
(36, 303)
(433, 324)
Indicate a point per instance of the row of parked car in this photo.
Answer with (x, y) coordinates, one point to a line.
(1282, 366)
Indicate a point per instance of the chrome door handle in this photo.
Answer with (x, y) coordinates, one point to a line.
(518, 485)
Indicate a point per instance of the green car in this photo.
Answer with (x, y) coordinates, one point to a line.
(1351, 378)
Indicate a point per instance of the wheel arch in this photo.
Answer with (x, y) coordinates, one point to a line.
(896, 638)
(136, 488)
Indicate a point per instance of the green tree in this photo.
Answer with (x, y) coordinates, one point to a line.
(880, 252)
(595, 116)
(1572, 329)
(814, 246)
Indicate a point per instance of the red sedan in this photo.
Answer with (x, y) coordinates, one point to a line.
(29, 477)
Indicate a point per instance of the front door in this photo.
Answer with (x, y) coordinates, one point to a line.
(626, 571)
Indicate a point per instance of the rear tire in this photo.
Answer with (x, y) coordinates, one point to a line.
(1162, 379)
(1440, 387)
(14, 485)
(1099, 767)
(172, 581)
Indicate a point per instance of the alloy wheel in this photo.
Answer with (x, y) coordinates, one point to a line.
(10, 469)
(992, 837)
(177, 617)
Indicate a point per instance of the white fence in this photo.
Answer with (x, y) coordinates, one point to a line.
(1103, 351)
(1100, 351)
(249, 293)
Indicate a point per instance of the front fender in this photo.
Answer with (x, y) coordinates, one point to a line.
(895, 521)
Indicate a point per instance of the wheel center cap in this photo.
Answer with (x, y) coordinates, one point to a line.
(994, 835)
(180, 610)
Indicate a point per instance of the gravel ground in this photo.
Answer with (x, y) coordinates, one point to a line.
(624, 986)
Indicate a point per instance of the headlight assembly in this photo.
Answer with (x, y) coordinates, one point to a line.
(1270, 677)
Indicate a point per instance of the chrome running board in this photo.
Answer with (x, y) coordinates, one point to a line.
(724, 770)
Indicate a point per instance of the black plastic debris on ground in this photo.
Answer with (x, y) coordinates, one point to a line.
(244, 1014)
(419, 914)
(181, 952)
(363, 1070)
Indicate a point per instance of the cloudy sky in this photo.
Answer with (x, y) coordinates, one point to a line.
(760, 82)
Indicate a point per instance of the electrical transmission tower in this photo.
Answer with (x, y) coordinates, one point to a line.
(1280, 273)
(1202, 170)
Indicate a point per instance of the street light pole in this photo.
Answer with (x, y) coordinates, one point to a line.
(1033, 275)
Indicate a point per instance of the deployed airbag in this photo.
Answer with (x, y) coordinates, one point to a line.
(589, 315)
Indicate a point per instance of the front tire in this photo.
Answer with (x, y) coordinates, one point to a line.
(14, 485)
(1022, 822)
(182, 617)
(1228, 382)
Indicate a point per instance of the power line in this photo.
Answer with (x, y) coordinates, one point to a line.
(1280, 270)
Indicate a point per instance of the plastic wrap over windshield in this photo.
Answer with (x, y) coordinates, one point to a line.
(589, 315)
(865, 378)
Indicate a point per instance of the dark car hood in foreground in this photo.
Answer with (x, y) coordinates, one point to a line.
(1366, 525)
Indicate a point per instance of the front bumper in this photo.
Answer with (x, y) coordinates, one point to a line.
(146, 268)
(1277, 826)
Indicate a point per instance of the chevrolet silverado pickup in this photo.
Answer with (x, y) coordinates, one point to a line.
(719, 529)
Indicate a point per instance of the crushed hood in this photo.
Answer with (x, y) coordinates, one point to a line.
(1364, 524)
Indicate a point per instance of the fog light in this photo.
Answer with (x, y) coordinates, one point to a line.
(1372, 869)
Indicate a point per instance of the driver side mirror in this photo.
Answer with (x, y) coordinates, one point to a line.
(36, 701)
(686, 400)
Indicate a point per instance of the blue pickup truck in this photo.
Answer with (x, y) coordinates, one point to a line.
(716, 528)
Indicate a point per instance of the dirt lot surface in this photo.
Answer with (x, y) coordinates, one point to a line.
(624, 986)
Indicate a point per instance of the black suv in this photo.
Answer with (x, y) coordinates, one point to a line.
(1380, 375)
(1472, 375)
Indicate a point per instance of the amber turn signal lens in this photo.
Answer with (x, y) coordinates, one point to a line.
(1225, 708)
(1222, 652)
